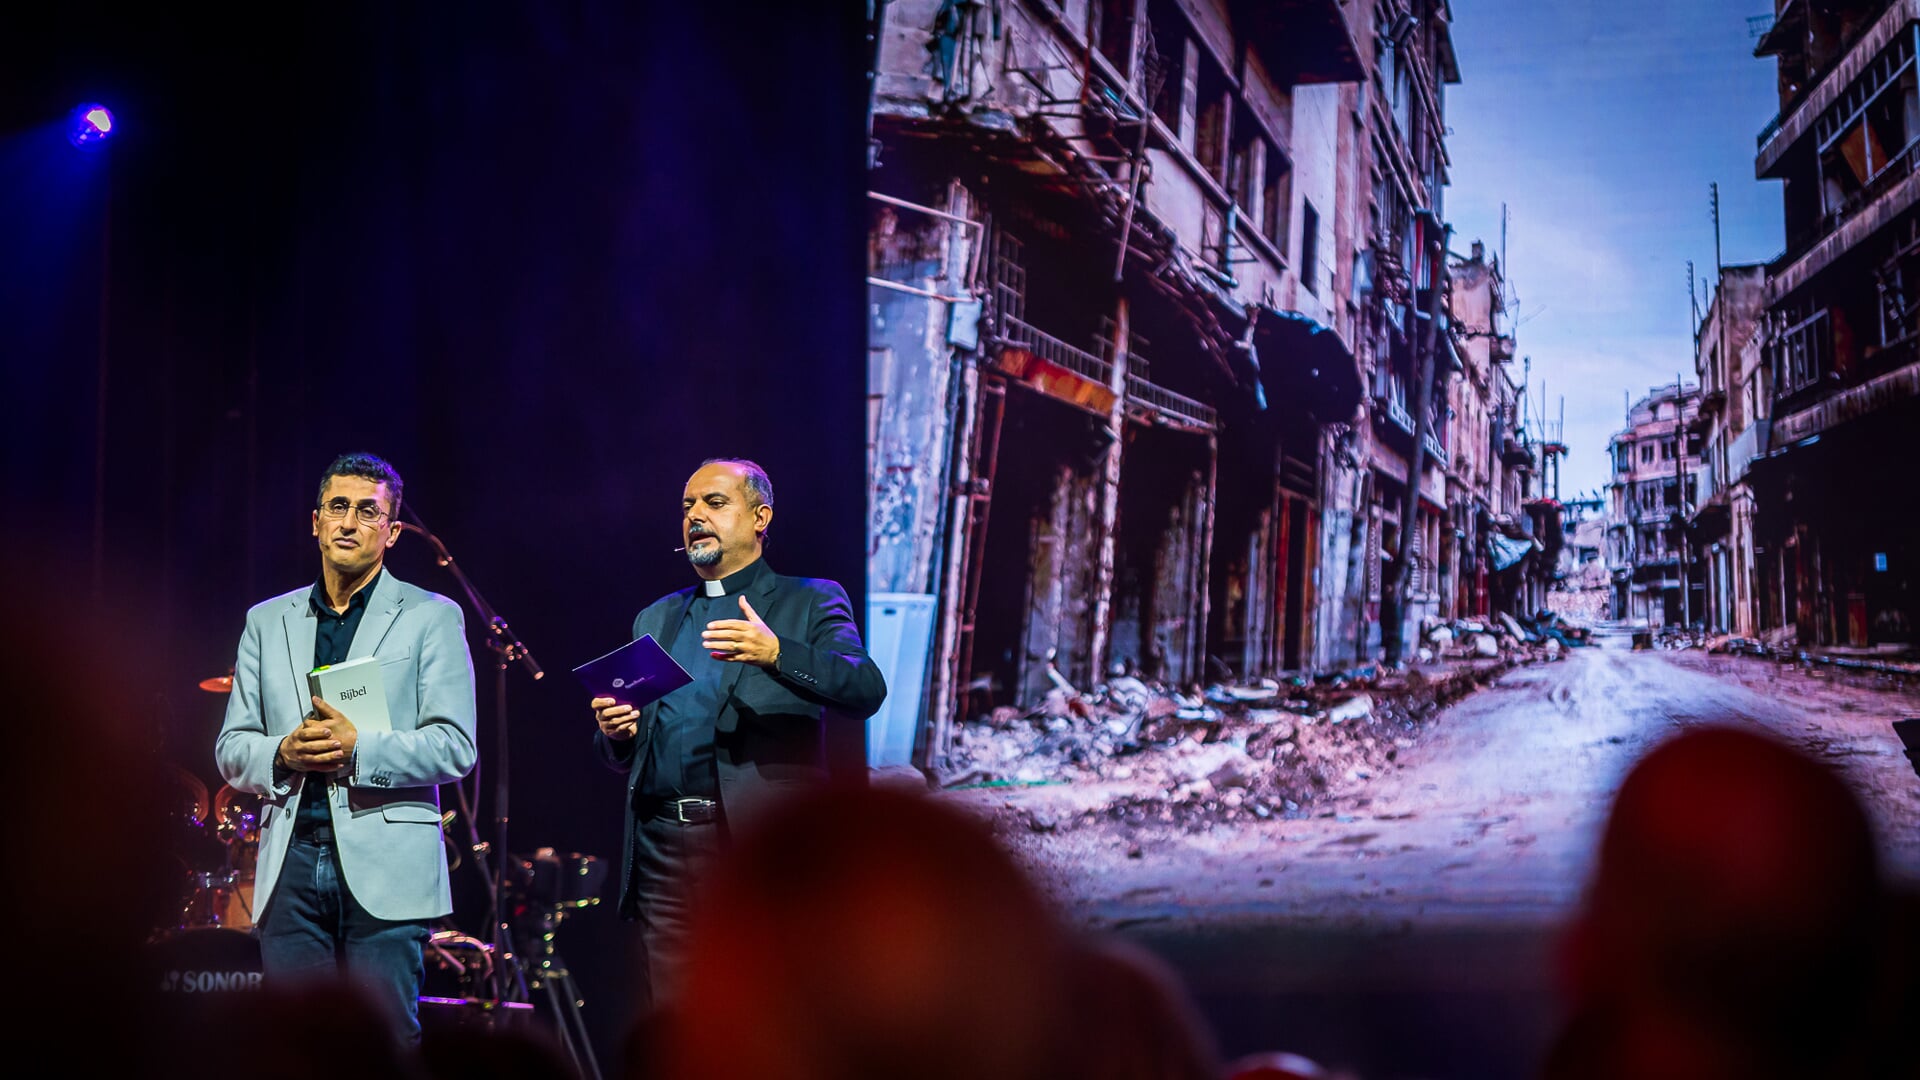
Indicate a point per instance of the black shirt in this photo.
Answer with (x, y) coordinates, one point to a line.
(680, 753)
(332, 639)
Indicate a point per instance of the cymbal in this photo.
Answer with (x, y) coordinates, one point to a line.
(219, 684)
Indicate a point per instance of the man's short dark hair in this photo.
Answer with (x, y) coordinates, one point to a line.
(753, 476)
(366, 467)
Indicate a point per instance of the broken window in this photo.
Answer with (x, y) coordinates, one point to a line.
(1214, 103)
(1274, 187)
(1166, 60)
(1111, 27)
(1899, 286)
(1309, 246)
(1399, 84)
(1868, 130)
(1803, 353)
(1243, 165)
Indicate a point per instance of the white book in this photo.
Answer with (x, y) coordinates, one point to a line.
(354, 688)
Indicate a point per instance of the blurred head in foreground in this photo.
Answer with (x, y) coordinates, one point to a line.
(1126, 1016)
(1736, 924)
(1278, 1066)
(864, 933)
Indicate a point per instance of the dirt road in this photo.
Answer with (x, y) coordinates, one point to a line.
(1490, 817)
(1409, 929)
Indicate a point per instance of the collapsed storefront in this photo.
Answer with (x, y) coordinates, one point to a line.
(1134, 465)
(1836, 548)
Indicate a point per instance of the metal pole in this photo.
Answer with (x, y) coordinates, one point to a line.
(1139, 169)
(1393, 600)
(1680, 494)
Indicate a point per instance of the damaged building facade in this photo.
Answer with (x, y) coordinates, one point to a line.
(1732, 424)
(1655, 461)
(1134, 268)
(1493, 558)
(1835, 532)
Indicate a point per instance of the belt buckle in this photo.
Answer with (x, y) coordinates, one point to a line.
(704, 806)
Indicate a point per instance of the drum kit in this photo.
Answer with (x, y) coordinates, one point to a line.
(206, 946)
(215, 844)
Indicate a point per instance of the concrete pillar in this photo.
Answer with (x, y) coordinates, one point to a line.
(1107, 494)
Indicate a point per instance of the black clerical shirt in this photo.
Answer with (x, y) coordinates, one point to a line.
(680, 753)
(332, 638)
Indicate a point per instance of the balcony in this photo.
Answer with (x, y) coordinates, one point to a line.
(1882, 392)
(1390, 399)
(1750, 444)
(1709, 511)
(1166, 407)
(1025, 335)
(1828, 91)
(1053, 367)
(1890, 193)
(1517, 453)
(1865, 139)
(1880, 181)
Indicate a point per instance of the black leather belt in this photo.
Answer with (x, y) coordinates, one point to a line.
(690, 810)
(319, 834)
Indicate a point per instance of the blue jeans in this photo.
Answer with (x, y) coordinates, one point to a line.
(313, 928)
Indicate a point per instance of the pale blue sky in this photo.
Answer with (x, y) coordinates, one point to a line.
(1600, 126)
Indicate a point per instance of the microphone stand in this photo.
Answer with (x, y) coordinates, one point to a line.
(507, 649)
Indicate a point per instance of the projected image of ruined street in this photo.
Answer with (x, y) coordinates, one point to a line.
(1310, 465)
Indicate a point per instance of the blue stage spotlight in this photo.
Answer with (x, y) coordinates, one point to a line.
(92, 125)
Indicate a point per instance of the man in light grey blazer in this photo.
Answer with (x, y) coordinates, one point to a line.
(350, 866)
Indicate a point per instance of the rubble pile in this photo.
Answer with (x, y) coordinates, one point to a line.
(1582, 605)
(1890, 668)
(1235, 752)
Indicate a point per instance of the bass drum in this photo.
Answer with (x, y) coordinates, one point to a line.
(203, 963)
(203, 987)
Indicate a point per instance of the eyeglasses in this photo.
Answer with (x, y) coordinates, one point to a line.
(365, 513)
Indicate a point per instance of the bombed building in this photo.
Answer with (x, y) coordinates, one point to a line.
(1834, 531)
(1655, 462)
(1135, 267)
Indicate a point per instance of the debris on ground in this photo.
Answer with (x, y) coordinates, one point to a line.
(1260, 749)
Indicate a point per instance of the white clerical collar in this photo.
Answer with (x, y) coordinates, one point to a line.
(713, 588)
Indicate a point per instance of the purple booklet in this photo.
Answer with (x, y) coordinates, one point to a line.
(638, 673)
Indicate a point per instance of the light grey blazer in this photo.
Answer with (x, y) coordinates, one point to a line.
(386, 814)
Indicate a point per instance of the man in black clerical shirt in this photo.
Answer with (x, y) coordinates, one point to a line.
(772, 659)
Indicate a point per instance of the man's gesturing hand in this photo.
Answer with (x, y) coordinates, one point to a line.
(616, 721)
(746, 641)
